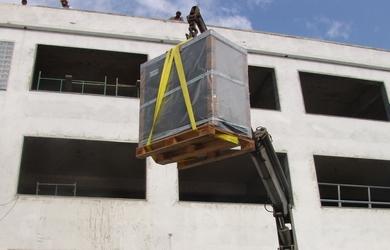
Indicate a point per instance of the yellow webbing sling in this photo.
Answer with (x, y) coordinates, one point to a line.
(173, 55)
(229, 138)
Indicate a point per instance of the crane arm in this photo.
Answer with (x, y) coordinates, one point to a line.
(275, 182)
(265, 160)
(195, 21)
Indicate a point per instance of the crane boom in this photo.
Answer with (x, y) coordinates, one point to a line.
(266, 162)
(195, 22)
(275, 182)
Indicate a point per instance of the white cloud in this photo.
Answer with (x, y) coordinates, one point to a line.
(261, 3)
(310, 25)
(161, 8)
(236, 21)
(338, 29)
(328, 28)
(217, 12)
(96, 5)
(214, 12)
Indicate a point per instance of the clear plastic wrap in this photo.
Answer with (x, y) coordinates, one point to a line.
(216, 71)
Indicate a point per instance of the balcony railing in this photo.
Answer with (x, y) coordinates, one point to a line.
(63, 189)
(348, 195)
(81, 86)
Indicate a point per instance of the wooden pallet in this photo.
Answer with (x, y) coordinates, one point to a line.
(195, 147)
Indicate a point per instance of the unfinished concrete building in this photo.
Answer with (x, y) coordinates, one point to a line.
(69, 126)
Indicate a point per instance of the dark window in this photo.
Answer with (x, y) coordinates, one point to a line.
(87, 71)
(262, 88)
(53, 166)
(353, 182)
(234, 180)
(342, 96)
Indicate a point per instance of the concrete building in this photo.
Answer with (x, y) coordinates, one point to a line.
(69, 127)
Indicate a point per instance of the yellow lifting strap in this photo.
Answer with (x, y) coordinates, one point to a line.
(229, 138)
(173, 55)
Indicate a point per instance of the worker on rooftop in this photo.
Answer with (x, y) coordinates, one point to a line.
(177, 17)
(64, 3)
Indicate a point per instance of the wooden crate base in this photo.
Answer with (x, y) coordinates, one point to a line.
(195, 147)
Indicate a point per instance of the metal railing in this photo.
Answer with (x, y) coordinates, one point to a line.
(85, 83)
(369, 201)
(56, 187)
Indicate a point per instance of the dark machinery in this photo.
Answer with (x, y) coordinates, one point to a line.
(64, 3)
(275, 182)
(266, 162)
(195, 22)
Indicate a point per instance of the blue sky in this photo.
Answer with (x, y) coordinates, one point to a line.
(359, 22)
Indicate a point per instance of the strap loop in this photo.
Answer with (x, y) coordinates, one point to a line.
(172, 55)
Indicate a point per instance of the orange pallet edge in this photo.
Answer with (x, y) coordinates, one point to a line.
(195, 147)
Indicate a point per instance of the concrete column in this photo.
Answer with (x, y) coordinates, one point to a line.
(289, 88)
(162, 194)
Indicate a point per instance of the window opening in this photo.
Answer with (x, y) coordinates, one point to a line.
(87, 71)
(353, 182)
(69, 167)
(234, 180)
(263, 88)
(342, 96)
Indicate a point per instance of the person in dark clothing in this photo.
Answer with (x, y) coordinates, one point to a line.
(65, 3)
(177, 17)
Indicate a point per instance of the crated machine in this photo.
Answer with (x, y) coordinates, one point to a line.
(195, 103)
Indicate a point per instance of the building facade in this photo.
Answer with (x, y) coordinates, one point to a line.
(69, 128)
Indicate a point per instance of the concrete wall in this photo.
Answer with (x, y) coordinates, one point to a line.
(161, 221)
